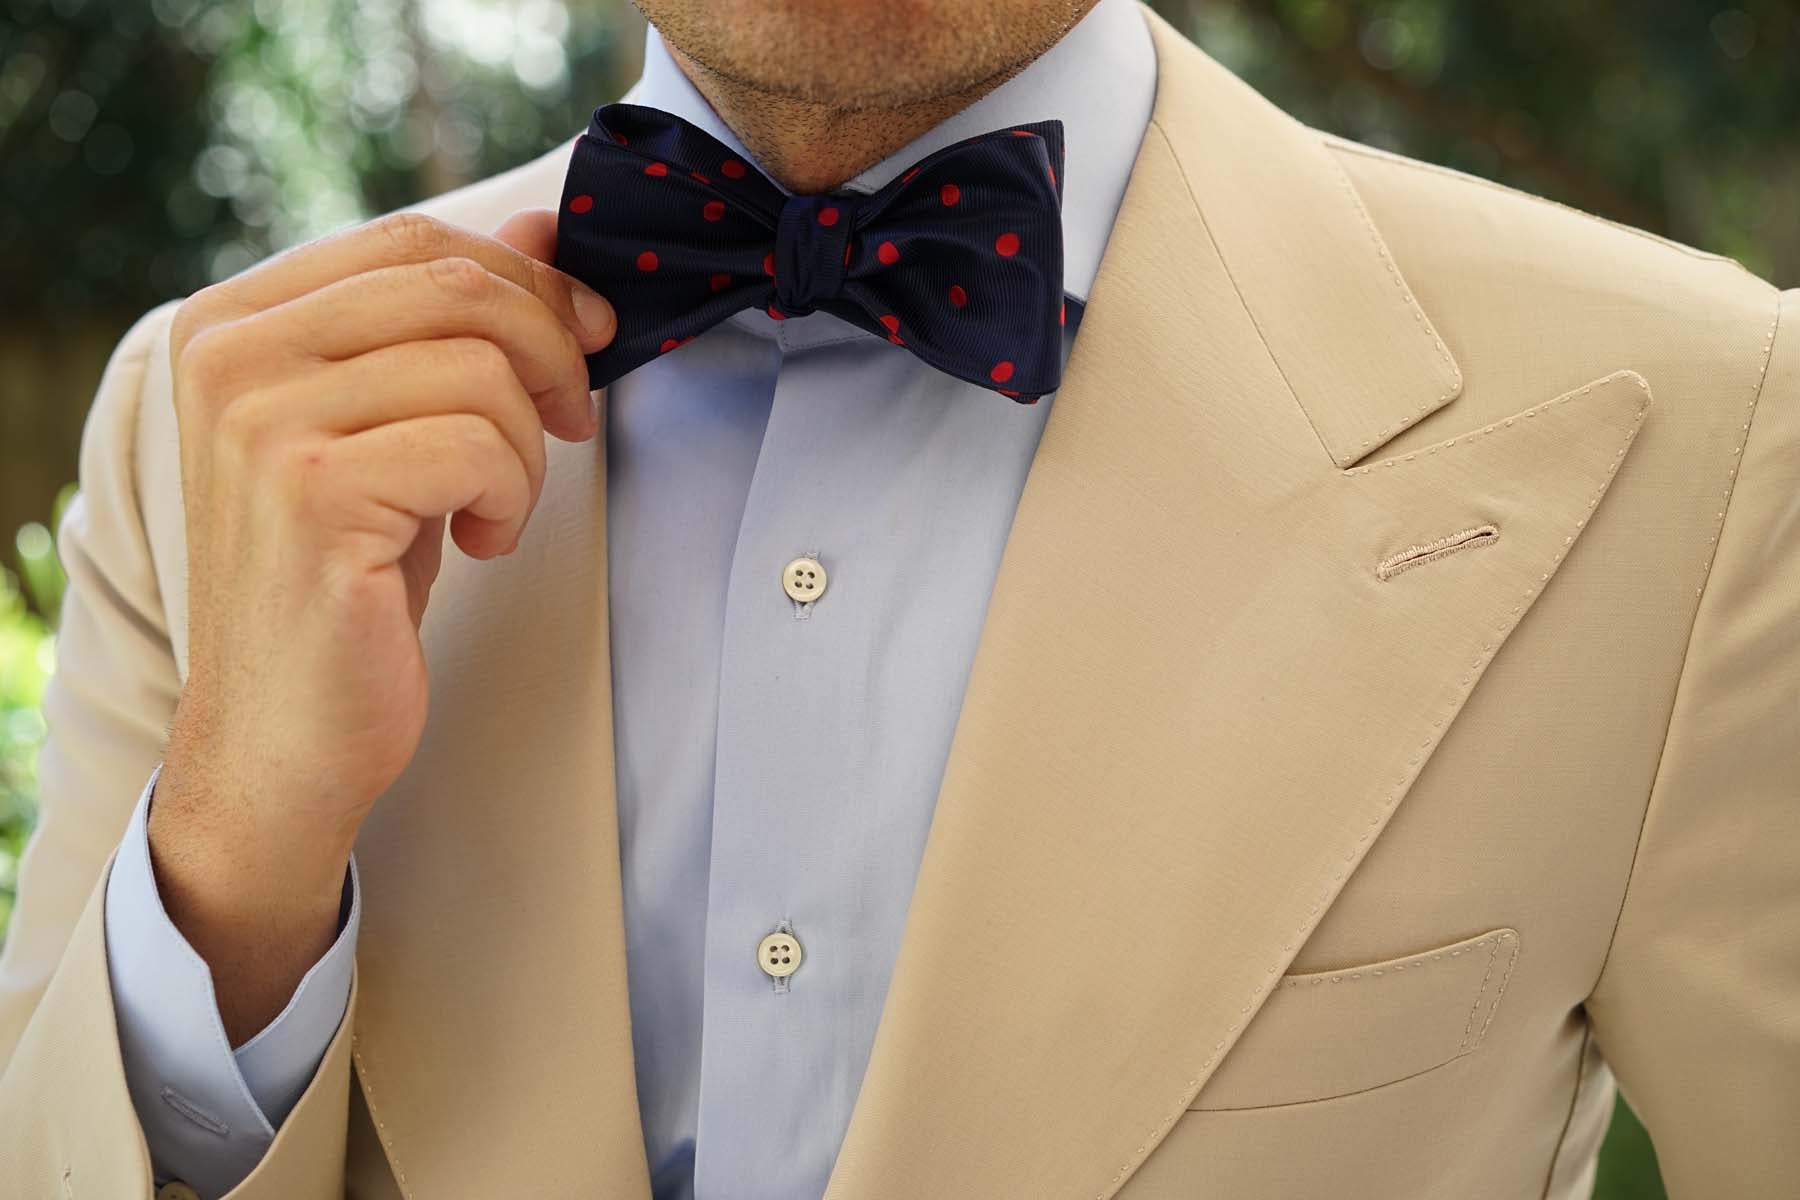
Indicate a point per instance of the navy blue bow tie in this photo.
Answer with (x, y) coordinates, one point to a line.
(958, 259)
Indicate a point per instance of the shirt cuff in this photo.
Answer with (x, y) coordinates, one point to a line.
(208, 1113)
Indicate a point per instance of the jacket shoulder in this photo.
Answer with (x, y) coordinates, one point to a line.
(1499, 243)
(1377, 169)
(1535, 297)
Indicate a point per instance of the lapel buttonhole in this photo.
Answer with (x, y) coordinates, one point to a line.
(1413, 556)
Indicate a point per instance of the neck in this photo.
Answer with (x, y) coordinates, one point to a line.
(809, 147)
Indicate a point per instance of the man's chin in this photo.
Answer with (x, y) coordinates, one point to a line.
(860, 54)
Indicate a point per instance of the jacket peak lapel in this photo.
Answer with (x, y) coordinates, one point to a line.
(1152, 794)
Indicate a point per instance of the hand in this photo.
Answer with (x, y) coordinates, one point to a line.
(337, 404)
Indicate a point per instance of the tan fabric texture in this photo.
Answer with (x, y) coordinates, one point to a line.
(1284, 873)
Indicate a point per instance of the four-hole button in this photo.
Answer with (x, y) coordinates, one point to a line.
(803, 579)
(779, 955)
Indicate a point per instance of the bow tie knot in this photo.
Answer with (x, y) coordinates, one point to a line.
(812, 251)
(958, 259)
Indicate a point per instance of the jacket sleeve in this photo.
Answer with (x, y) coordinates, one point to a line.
(67, 1123)
(1697, 1008)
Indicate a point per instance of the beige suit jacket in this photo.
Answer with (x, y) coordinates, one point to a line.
(1385, 736)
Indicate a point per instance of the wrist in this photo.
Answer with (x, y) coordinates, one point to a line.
(259, 905)
(258, 852)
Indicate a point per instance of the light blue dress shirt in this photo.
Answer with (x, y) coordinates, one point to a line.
(778, 762)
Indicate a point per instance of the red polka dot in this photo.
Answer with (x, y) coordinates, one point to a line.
(581, 204)
(777, 313)
(768, 264)
(647, 261)
(895, 338)
(731, 168)
(828, 216)
(892, 322)
(657, 169)
(907, 178)
(1023, 133)
(1002, 372)
(958, 297)
(720, 282)
(670, 344)
(1008, 392)
(1006, 245)
(1062, 314)
(949, 194)
(620, 138)
(699, 176)
(888, 253)
(1052, 171)
(846, 254)
(714, 210)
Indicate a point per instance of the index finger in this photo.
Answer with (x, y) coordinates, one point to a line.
(401, 239)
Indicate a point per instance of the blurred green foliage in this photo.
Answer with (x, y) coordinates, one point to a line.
(148, 147)
(177, 141)
(27, 657)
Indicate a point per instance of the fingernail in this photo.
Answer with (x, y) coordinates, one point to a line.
(592, 310)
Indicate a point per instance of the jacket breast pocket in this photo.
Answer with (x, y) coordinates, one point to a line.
(1334, 1033)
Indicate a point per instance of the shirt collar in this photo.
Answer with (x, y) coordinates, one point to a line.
(1099, 80)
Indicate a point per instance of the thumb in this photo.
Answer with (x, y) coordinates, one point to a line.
(532, 232)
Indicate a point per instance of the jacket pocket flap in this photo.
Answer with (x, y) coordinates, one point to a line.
(1332, 1033)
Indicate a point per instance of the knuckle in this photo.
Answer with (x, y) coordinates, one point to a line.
(476, 436)
(481, 441)
(191, 316)
(552, 287)
(574, 361)
(464, 279)
(476, 360)
(413, 234)
(240, 428)
(204, 367)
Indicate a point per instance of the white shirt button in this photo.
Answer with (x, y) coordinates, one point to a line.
(803, 579)
(779, 955)
(176, 1190)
